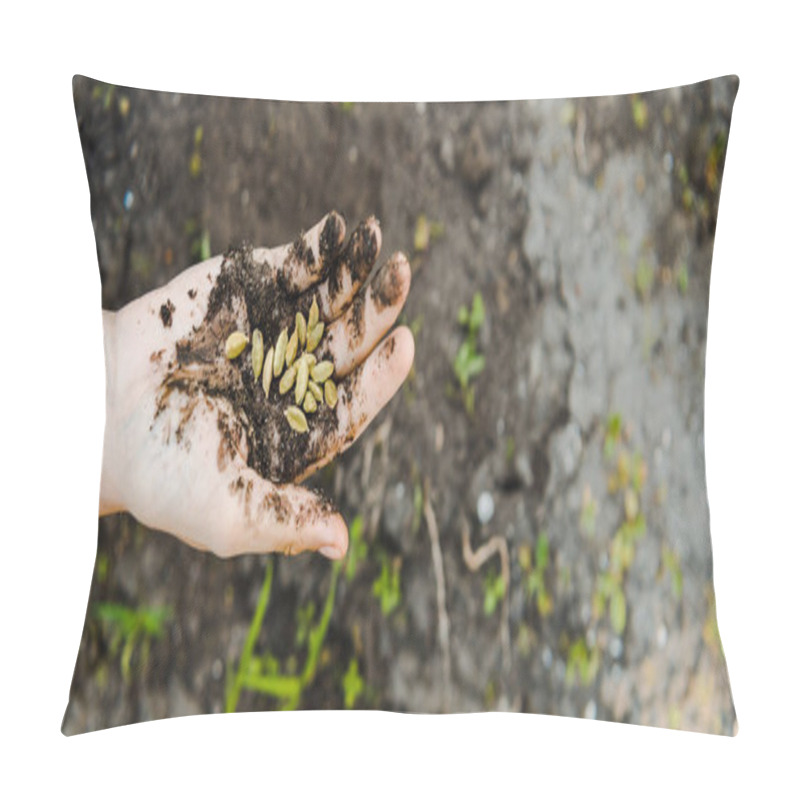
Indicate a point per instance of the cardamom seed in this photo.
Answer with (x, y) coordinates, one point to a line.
(291, 349)
(313, 315)
(266, 380)
(309, 404)
(313, 336)
(287, 381)
(315, 390)
(300, 328)
(236, 342)
(322, 371)
(257, 353)
(302, 381)
(331, 395)
(280, 352)
(297, 419)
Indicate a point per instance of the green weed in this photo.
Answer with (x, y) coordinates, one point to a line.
(196, 160)
(386, 586)
(534, 574)
(426, 232)
(469, 363)
(494, 589)
(357, 551)
(128, 627)
(262, 673)
(582, 663)
(352, 684)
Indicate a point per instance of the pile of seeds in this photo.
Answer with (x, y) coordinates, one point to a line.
(293, 362)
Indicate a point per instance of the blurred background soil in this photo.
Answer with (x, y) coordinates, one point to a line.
(587, 228)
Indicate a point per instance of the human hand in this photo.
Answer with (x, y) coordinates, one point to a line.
(194, 446)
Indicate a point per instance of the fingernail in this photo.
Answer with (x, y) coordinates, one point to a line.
(331, 551)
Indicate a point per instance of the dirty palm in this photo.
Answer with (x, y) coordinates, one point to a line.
(220, 443)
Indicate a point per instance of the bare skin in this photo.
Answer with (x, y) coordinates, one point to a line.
(177, 453)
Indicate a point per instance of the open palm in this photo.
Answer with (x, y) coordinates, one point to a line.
(194, 444)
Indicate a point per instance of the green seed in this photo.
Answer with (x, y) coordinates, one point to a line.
(280, 352)
(257, 352)
(313, 336)
(315, 390)
(302, 381)
(297, 419)
(291, 349)
(300, 329)
(236, 342)
(313, 315)
(331, 395)
(266, 380)
(287, 381)
(322, 371)
(309, 404)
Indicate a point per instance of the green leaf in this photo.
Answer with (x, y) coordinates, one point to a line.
(463, 315)
(617, 611)
(478, 312)
(475, 365)
(352, 684)
(542, 551)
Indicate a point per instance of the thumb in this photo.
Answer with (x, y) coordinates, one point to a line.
(262, 517)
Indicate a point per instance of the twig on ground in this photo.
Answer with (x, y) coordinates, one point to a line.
(438, 571)
(475, 559)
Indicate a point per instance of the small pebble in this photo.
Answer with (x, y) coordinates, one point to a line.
(661, 636)
(127, 200)
(547, 657)
(615, 647)
(485, 507)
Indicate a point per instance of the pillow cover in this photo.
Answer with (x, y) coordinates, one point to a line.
(525, 503)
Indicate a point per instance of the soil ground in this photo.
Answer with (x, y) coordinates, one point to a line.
(587, 226)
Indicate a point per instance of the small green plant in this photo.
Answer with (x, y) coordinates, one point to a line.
(639, 111)
(386, 586)
(262, 673)
(582, 663)
(352, 684)
(199, 240)
(534, 573)
(425, 232)
(196, 160)
(357, 551)
(469, 363)
(613, 435)
(494, 589)
(129, 627)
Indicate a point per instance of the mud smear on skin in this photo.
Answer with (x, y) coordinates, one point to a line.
(247, 296)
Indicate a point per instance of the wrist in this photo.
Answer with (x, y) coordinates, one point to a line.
(110, 484)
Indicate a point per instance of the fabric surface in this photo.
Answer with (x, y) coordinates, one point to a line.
(528, 520)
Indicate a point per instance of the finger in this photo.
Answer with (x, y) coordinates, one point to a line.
(352, 337)
(303, 262)
(254, 515)
(350, 269)
(363, 393)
